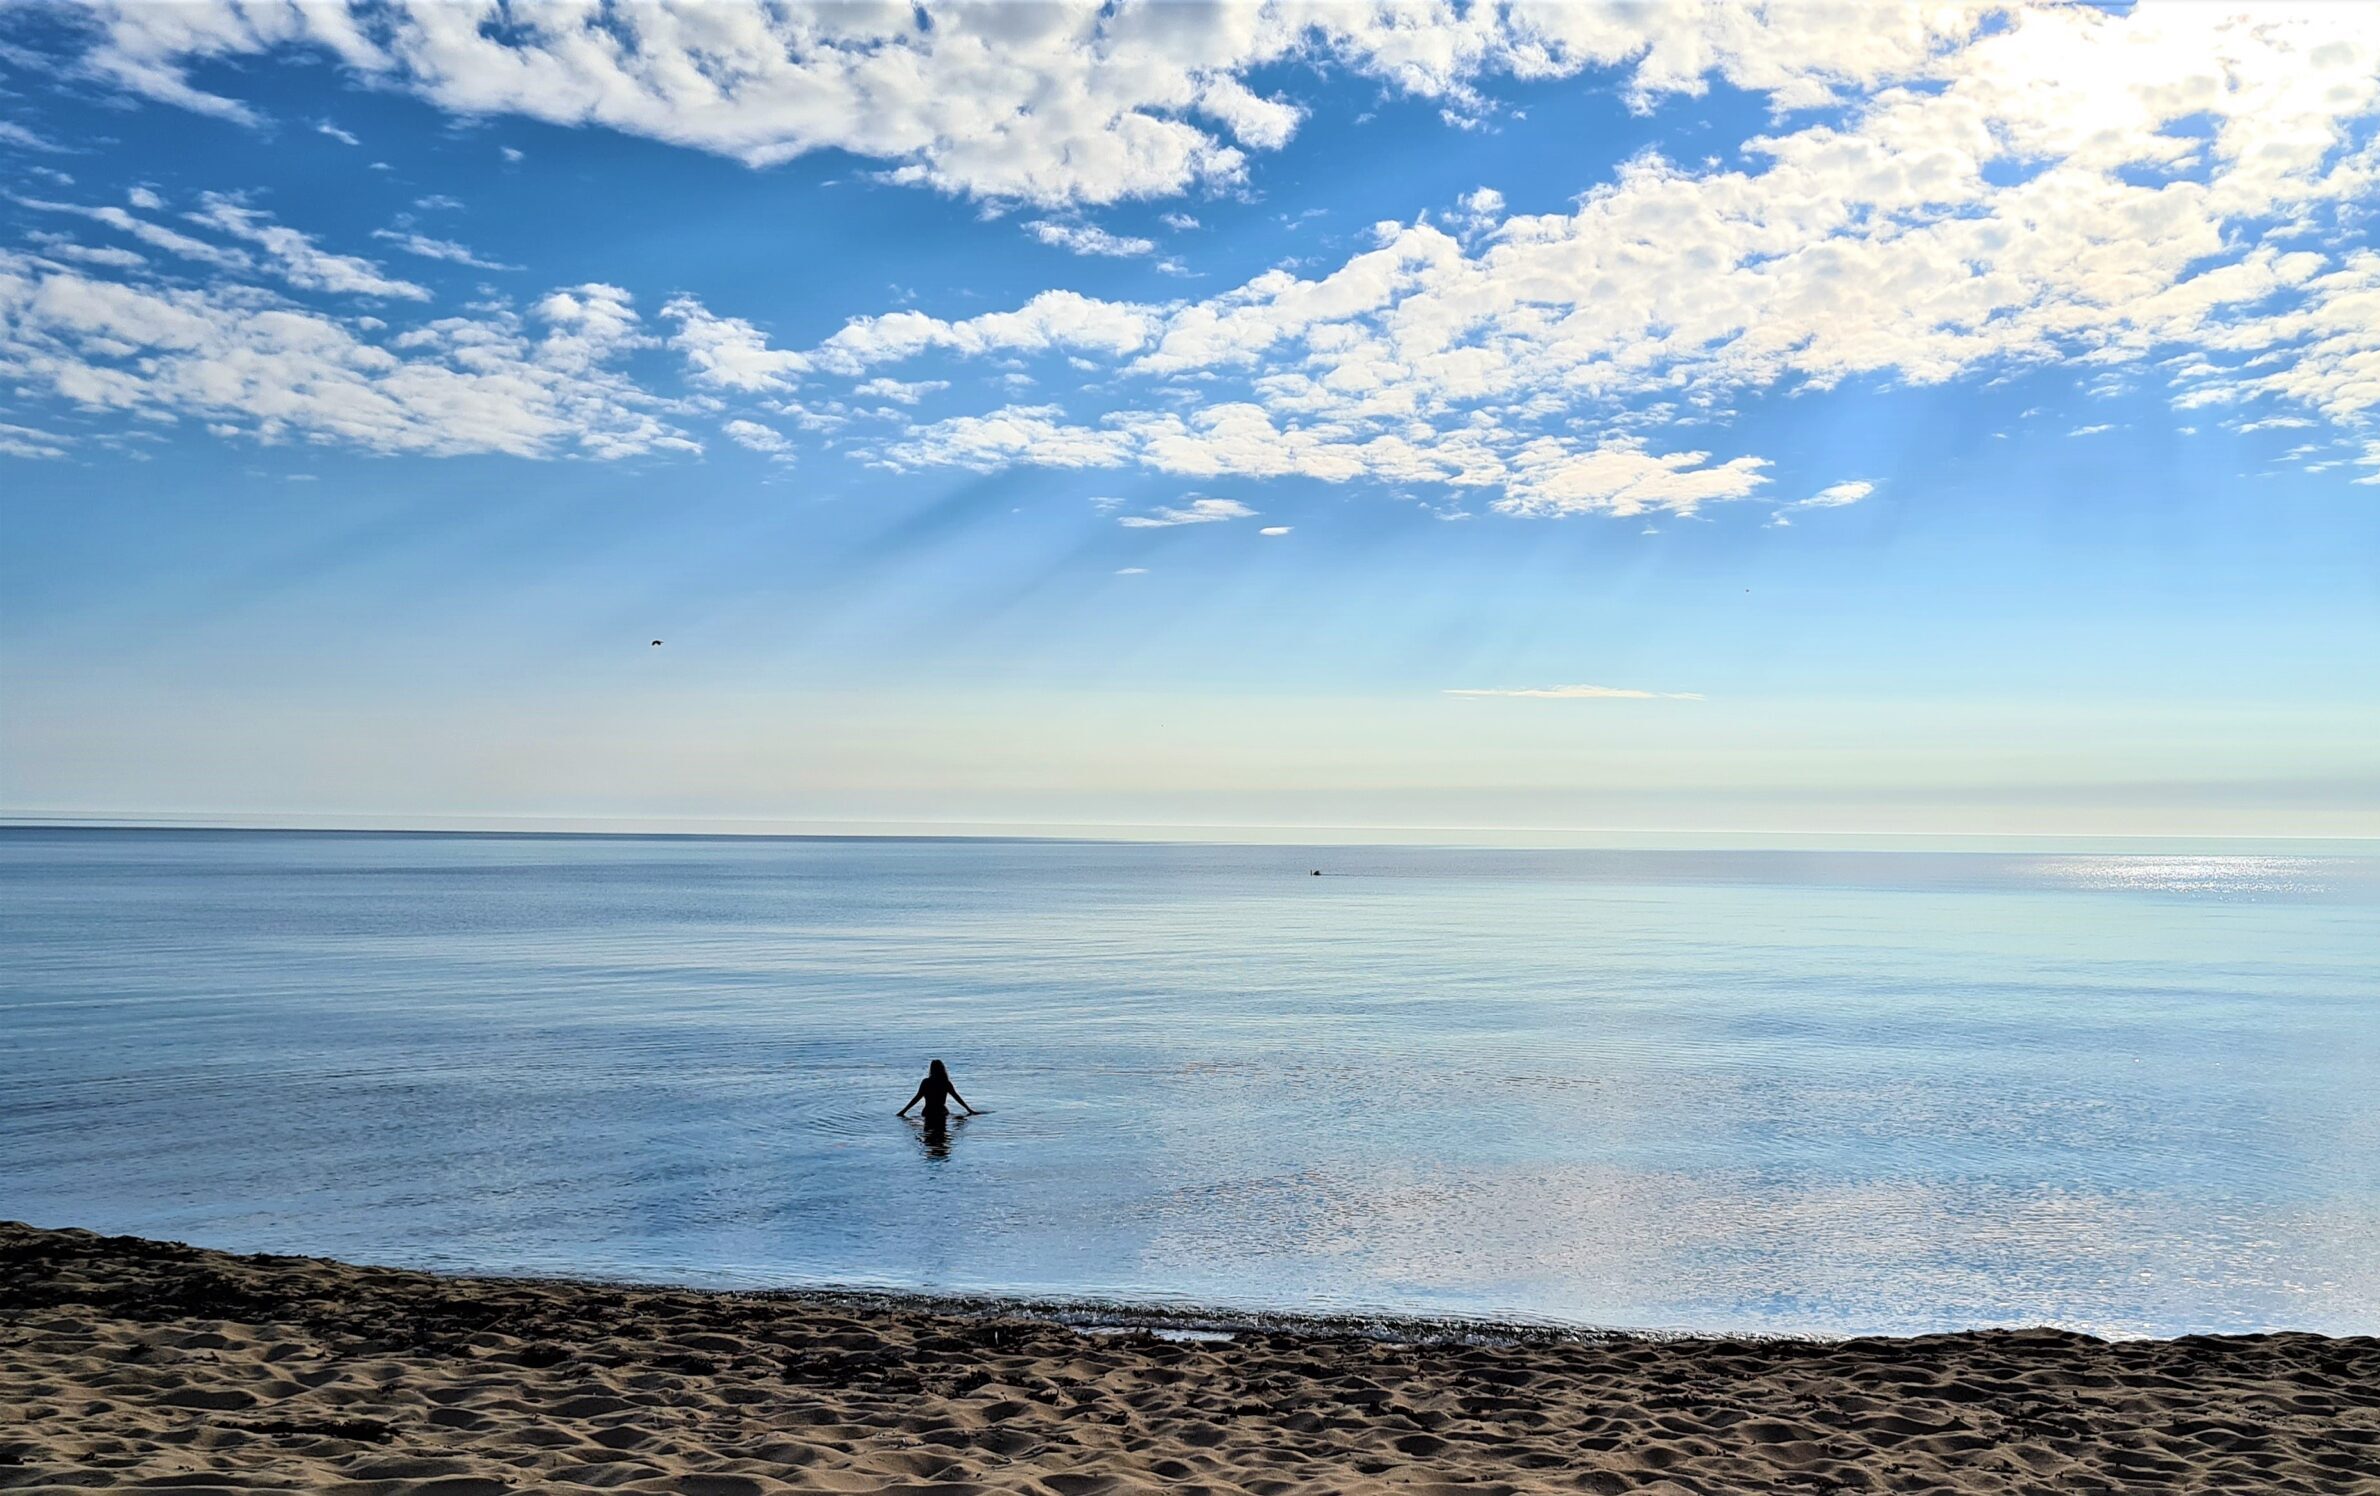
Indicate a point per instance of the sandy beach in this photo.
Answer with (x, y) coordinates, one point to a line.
(130, 1363)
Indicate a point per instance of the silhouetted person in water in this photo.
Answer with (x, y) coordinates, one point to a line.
(937, 1093)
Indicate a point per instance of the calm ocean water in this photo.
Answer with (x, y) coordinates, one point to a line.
(1776, 1091)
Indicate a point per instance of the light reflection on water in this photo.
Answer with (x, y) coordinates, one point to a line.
(1767, 1091)
(2220, 877)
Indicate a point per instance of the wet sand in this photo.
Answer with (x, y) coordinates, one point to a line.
(133, 1363)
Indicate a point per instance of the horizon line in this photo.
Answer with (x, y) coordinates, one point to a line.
(1114, 833)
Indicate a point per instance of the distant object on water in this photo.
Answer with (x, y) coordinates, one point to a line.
(1317, 872)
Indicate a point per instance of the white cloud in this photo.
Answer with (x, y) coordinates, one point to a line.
(898, 392)
(246, 362)
(296, 256)
(155, 235)
(325, 127)
(1178, 221)
(1053, 320)
(728, 353)
(759, 438)
(1196, 512)
(2065, 185)
(589, 325)
(32, 442)
(1836, 495)
(1087, 239)
(63, 247)
(1481, 209)
(2322, 354)
(1580, 693)
(437, 249)
(1260, 123)
(2075, 186)
(2091, 430)
(1132, 571)
(1066, 101)
(145, 200)
(25, 139)
(831, 415)
(1274, 530)
(1010, 435)
(1541, 476)
(1553, 478)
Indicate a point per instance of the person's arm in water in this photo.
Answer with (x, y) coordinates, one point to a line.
(914, 1100)
(961, 1100)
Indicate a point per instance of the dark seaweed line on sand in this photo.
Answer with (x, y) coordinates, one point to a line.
(143, 1279)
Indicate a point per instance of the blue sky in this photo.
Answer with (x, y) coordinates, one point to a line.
(1500, 417)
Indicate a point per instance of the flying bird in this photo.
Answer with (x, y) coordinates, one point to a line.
(656, 644)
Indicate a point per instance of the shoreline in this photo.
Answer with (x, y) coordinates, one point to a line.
(125, 1361)
(1094, 1313)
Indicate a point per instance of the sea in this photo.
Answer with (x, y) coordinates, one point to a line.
(1773, 1091)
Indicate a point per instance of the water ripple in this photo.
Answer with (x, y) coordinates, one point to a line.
(1689, 1090)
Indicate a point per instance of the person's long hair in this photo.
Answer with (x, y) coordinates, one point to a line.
(934, 1071)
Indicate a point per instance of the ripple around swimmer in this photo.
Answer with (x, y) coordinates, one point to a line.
(837, 1117)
